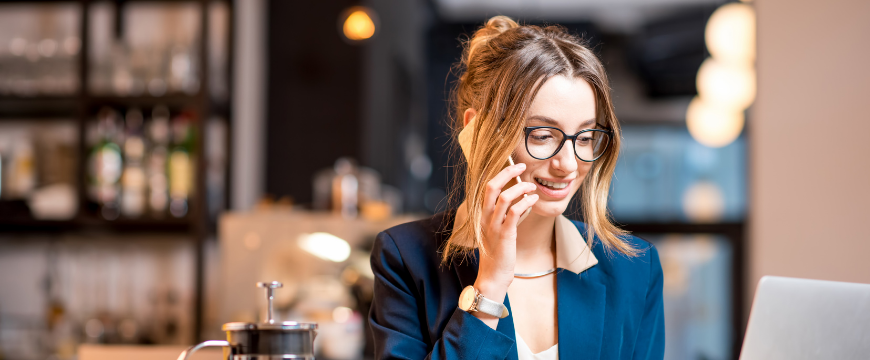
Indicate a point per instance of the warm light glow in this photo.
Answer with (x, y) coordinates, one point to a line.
(359, 24)
(728, 85)
(713, 126)
(325, 246)
(704, 202)
(730, 33)
(341, 314)
(726, 81)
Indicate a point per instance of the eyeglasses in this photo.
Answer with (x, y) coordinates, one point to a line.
(544, 142)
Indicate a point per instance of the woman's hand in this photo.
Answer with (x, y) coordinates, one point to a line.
(500, 218)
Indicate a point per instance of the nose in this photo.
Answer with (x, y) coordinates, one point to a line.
(565, 161)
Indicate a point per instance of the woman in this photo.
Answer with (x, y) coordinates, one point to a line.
(505, 275)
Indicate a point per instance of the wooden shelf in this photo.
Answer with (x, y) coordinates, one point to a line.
(38, 107)
(53, 107)
(70, 97)
(91, 224)
(174, 100)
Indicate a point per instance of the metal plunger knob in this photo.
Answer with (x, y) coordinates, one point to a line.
(270, 287)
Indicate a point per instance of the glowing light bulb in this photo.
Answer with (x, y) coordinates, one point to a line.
(358, 25)
(325, 246)
(713, 126)
(728, 85)
(730, 33)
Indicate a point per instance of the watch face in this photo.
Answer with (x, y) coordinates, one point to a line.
(466, 298)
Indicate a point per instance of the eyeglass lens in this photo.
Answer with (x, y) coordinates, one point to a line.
(544, 143)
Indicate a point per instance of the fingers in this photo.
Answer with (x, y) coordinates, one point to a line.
(507, 197)
(494, 186)
(517, 210)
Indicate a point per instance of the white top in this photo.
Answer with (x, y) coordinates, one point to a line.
(525, 353)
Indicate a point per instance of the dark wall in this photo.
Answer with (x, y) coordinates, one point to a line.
(314, 94)
(666, 53)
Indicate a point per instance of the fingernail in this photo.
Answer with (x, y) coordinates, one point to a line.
(533, 197)
(520, 166)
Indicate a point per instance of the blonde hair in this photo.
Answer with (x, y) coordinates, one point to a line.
(502, 68)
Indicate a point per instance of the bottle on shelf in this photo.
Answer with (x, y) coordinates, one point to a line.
(133, 181)
(22, 178)
(180, 166)
(158, 183)
(17, 166)
(105, 165)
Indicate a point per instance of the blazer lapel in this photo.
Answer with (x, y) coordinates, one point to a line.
(506, 326)
(581, 306)
(466, 270)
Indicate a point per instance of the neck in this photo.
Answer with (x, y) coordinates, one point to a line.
(535, 237)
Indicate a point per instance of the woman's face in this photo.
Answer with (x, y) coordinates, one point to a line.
(568, 104)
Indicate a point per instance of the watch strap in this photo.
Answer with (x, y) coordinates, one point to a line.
(491, 307)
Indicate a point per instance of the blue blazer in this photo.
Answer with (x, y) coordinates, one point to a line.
(612, 310)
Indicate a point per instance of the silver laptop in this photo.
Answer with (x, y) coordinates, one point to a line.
(808, 319)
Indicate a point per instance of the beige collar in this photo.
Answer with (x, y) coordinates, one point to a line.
(572, 253)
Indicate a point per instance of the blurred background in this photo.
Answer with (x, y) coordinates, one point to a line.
(157, 158)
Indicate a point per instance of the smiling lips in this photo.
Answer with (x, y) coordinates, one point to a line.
(557, 190)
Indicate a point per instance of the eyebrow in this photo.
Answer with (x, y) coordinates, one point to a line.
(553, 122)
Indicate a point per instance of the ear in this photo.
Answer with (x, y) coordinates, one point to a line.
(470, 113)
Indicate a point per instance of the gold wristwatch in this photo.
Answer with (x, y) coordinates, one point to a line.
(471, 300)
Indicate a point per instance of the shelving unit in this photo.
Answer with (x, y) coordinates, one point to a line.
(80, 108)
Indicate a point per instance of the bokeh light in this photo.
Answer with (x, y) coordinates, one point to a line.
(359, 24)
(711, 125)
(341, 314)
(703, 202)
(325, 246)
(730, 33)
(726, 81)
(729, 85)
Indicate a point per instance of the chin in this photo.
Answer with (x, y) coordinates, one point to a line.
(551, 208)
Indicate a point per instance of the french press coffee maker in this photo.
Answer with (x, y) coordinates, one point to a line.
(268, 340)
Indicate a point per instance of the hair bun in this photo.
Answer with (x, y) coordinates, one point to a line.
(494, 27)
(501, 23)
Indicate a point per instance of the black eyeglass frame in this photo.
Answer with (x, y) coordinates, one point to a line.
(573, 138)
